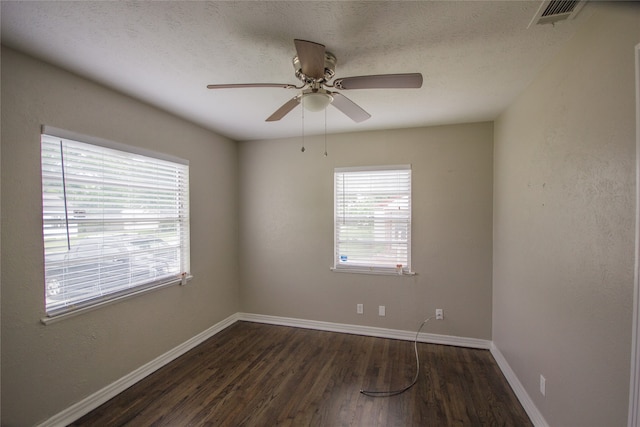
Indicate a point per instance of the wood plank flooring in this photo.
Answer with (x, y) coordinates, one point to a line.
(253, 374)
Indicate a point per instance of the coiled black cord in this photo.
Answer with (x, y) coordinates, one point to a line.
(388, 393)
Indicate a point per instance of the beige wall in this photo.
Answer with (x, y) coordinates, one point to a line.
(286, 230)
(564, 226)
(45, 369)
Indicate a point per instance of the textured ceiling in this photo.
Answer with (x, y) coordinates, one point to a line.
(476, 56)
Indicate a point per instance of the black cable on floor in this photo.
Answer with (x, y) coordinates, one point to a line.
(388, 393)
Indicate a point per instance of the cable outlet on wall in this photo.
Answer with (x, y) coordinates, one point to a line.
(381, 310)
(439, 314)
(360, 308)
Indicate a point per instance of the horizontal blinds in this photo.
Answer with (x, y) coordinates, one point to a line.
(113, 221)
(373, 218)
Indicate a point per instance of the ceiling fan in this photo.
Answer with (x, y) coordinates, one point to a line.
(314, 67)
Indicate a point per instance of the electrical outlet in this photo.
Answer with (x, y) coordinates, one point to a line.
(543, 385)
(360, 309)
(381, 310)
(439, 314)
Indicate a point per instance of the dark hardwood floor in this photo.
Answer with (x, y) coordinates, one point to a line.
(253, 374)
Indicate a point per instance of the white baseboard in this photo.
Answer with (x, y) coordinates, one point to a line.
(93, 401)
(525, 400)
(367, 330)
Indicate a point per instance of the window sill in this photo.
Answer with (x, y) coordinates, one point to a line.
(373, 271)
(75, 311)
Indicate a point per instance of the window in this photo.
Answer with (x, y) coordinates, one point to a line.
(372, 213)
(115, 220)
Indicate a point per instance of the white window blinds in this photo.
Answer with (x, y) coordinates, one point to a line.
(114, 222)
(373, 219)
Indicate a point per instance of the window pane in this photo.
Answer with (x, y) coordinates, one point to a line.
(113, 222)
(373, 218)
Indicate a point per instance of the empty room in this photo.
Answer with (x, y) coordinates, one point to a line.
(319, 213)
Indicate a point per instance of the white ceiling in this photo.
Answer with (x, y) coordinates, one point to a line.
(475, 56)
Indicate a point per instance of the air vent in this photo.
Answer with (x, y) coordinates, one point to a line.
(551, 11)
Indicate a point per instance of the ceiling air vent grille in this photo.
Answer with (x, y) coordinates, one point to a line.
(551, 11)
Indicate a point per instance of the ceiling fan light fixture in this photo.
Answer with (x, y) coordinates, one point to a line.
(316, 101)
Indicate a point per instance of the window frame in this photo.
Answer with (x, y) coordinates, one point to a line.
(373, 267)
(182, 273)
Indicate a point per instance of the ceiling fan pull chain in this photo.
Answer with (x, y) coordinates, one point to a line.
(303, 149)
(325, 133)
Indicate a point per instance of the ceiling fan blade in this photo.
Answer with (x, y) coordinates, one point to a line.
(284, 110)
(244, 85)
(349, 108)
(382, 81)
(311, 57)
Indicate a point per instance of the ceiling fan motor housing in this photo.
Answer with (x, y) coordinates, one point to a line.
(329, 69)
